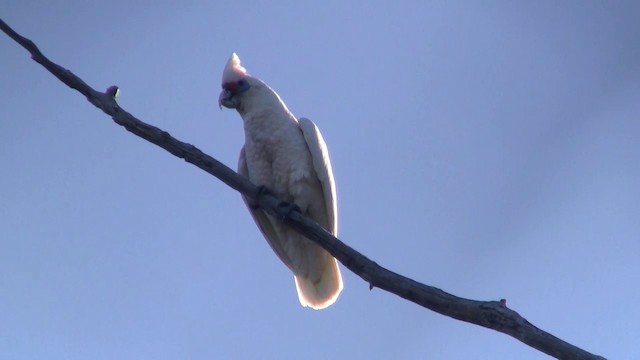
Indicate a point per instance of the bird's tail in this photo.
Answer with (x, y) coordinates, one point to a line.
(323, 292)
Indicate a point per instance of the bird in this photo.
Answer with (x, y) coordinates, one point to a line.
(289, 158)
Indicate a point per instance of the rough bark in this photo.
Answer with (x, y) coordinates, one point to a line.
(490, 314)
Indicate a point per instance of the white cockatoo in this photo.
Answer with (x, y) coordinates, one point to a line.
(288, 157)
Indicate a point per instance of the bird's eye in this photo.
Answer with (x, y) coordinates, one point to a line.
(243, 85)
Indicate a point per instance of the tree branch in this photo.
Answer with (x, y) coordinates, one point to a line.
(490, 314)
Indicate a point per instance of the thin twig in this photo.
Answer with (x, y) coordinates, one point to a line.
(490, 314)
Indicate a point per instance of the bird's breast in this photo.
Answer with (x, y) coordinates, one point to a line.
(277, 156)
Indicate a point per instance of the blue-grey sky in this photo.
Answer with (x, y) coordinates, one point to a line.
(490, 149)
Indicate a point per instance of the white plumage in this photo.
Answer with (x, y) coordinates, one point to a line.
(290, 158)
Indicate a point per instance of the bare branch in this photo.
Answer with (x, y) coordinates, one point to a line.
(490, 314)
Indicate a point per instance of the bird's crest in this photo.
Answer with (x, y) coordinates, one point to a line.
(233, 71)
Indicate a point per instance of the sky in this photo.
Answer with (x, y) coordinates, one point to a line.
(490, 149)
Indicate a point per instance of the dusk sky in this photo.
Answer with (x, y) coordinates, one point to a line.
(490, 149)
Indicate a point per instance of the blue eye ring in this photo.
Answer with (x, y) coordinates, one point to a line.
(243, 85)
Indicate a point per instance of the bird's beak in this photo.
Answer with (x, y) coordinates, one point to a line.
(227, 100)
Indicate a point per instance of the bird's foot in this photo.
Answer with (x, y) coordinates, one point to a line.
(286, 208)
(261, 190)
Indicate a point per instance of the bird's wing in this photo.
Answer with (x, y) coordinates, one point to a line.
(322, 166)
(264, 222)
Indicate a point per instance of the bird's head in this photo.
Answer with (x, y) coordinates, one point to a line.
(235, 83)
